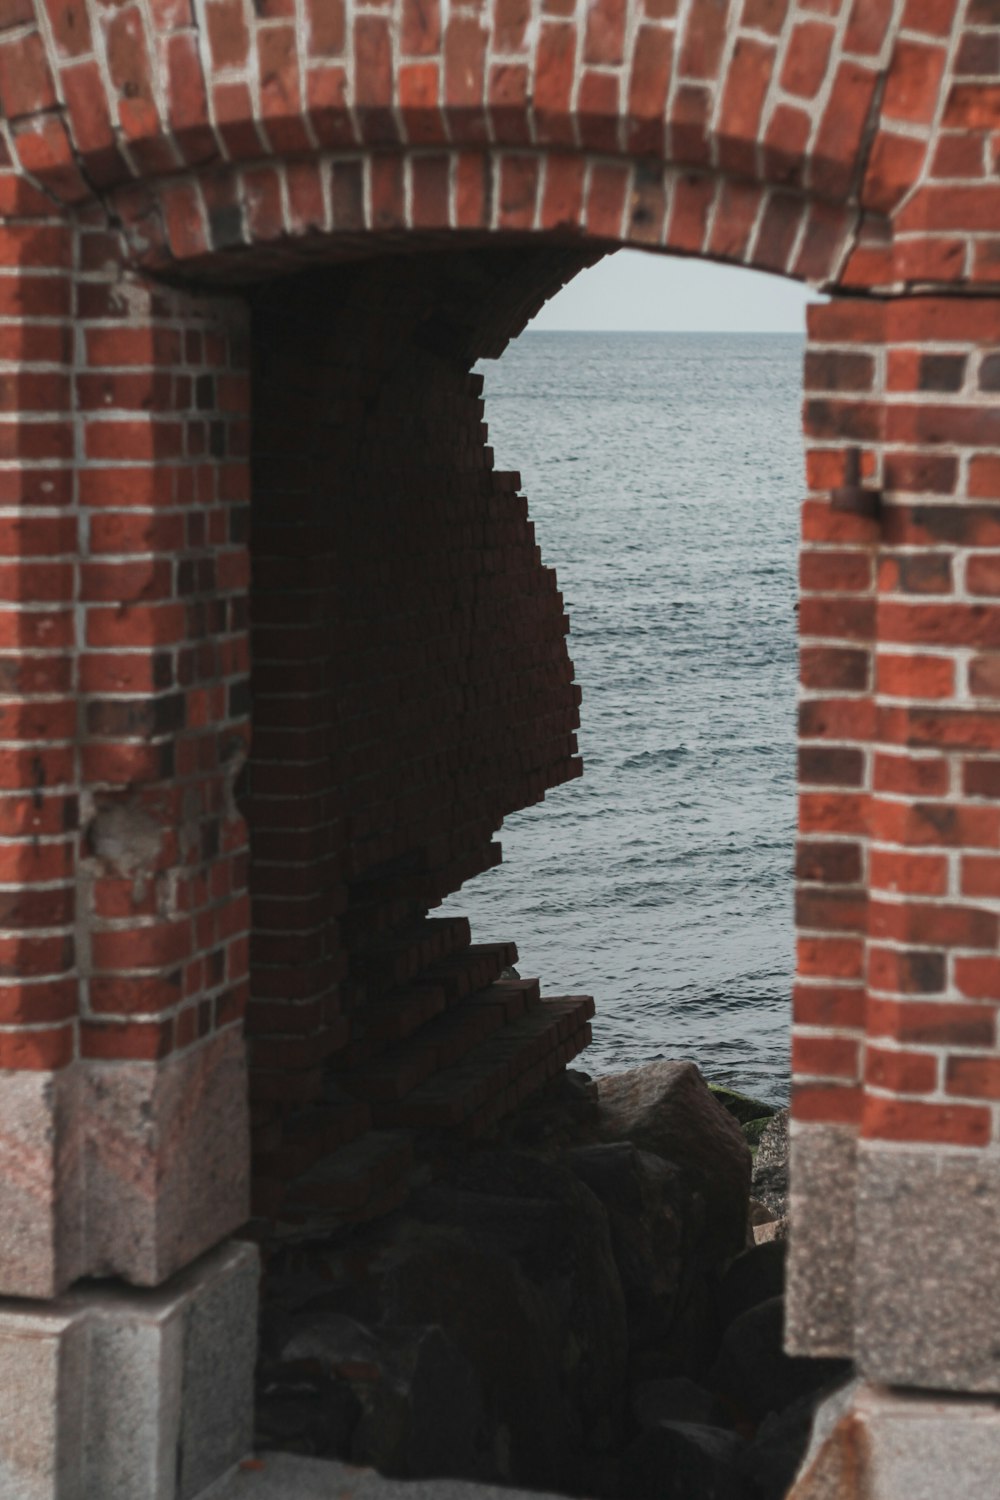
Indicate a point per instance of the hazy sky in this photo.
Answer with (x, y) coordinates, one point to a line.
(635, 290)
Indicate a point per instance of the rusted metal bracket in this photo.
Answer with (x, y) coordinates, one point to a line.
(852, 495)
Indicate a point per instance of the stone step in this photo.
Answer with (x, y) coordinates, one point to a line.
(305, 1138)
(442, 1042)
(399, 1014)
(478, 965)
(353, 1176)
(450, 1097)
(441, 986)
(395, 959)
(286, 1476)
(508, 1043)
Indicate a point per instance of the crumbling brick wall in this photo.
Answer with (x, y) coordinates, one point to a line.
(159, 161)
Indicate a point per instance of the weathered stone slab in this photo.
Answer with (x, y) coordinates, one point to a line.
(666, 1108)
(41, 1223)
(928, 1268)
(819, 1294)
(122, 1394)
(167, 1159)
(42, 1357)
(885, 1445)
(128, 1169)
(283, 1476)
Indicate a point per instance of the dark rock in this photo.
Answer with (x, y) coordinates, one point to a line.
(511, 1257)
(667, 1108)
(677, 1399)
(682, 1461)
(755, 1375)
(770, 1167)
(654, 1219)
(754, 1129)
(561, 1116)
(741, 1106)
(302, 1403)
(774, 1231)
(760, 1213)
(752, 1278)
(313, 1415)
(770, 1463)
(400, 1399)
(690, 1347)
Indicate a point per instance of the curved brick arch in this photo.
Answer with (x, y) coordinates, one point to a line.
(840, 104)
(160, 156)
(228, 224)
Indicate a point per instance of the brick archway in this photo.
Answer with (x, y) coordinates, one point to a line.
(455, 168)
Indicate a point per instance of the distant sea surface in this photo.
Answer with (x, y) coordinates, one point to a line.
(663, 474)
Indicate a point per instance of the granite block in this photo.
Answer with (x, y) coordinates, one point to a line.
(129, 1169)
(219, 1335)
(114, 1393)
(819, 1295)
(888, 1444)
(167, 1159)
(43, 1353)
(928, 1268)
(284, 1476)
(41, 1221)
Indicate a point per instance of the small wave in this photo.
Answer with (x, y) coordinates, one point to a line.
(669, 755)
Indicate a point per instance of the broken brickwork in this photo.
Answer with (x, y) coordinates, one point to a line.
(418, 178)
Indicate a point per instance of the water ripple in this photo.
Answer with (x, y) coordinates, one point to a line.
(663, 473)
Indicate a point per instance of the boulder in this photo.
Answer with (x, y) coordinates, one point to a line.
(400, 1399)
(771, 1461)
(770, 1167)
(755, 1375)
(754, 1129)
(760, 1213)
(682, 1461)
(677, 1399)
(773, 1230)
(667, 1108)
(754, 1277)
(558, 1117)
(510, 1256)
(741, 1106)
(654, 1221)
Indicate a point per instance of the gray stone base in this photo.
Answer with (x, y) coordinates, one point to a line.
(127, 1169)
(928, 1269)
(282, 1476)
(819, 1297)
(881, 1444)
(108, 1393)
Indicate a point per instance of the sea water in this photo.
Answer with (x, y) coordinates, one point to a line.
(663, 474)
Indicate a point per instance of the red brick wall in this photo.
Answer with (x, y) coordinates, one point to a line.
(849, 144)
(163, 696)
(899, 728)
(124, 518)
(411, 683)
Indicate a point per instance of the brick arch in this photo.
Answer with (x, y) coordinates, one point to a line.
(160, 157)
(636, 124)
(228, 224)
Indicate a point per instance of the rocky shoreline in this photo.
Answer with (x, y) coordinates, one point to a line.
(590, 1303)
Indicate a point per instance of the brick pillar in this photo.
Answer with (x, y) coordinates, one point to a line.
(843, 373)
(38, 757)
(162, 394)
(123, 1110)
(896, 1179)
(929, 1166)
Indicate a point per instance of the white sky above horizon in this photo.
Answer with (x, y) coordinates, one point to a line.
(633, 291)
